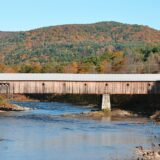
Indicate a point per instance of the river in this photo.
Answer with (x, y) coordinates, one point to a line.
(42, 134)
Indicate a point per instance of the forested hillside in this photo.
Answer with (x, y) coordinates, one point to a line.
(106, 47)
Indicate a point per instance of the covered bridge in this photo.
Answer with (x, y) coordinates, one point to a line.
(102, 84)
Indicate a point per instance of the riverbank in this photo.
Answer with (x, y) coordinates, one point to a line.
(148, 154)
(5, 105)
(12, 107)
(115, 114)
(99, 115)
(156, 117)
(20, 98)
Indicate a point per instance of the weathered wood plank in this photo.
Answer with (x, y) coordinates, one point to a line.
(74, 87)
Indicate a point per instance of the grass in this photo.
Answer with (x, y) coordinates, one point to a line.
(2, 101)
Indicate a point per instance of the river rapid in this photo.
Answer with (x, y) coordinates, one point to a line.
(43, 134)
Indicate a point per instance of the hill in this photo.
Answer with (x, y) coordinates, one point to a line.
(91, 43)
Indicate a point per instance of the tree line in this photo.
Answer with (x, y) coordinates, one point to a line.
(113, 59)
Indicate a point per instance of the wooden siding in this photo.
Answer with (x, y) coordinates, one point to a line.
(74, 87)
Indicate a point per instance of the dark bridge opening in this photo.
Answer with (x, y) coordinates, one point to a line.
(142, 104)
(84, 99)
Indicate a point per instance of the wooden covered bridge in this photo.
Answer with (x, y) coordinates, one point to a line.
(102, 84)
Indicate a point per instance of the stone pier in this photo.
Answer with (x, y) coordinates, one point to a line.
(106, 102)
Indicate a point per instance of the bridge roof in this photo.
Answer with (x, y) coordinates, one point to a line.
(78, 77)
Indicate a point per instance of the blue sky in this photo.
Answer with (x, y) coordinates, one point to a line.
(16, 15)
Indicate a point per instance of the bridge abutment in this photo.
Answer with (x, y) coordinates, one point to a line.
(106, 102)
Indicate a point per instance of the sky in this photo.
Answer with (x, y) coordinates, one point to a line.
(22, 15)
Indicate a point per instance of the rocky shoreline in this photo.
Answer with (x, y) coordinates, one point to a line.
(5, 105)
(156, 116)
(98, 115)
(12, 107)
(116, 114)
(148, 154)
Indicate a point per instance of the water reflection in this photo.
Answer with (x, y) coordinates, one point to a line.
(43, 134)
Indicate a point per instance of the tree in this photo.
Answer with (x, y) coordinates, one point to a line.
(104, 67)
(34, 68)
(71, 68)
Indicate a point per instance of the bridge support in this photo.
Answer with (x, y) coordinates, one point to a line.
(106, 103)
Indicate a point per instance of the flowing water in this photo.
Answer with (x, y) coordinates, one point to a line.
(42, 134)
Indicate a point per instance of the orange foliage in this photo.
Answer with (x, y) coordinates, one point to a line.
(71, 68)
(105, 67)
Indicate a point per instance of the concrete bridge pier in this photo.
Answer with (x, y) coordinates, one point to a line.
(106, 102)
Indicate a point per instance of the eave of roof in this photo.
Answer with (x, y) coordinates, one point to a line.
(78, 77)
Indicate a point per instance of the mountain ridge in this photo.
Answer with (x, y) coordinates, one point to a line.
(77, 42)
(67, 24)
